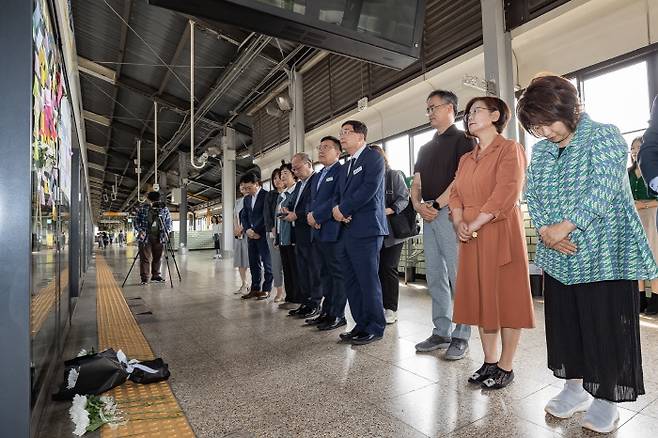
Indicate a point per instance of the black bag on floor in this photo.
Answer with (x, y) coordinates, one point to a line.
(91, 374)
(140, 375)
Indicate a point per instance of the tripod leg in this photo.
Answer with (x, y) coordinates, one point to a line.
(169, 270)
(130, 270)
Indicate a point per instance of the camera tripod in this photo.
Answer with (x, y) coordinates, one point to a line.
(168, 249)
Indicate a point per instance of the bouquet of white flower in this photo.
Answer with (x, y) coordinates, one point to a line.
(88, 413)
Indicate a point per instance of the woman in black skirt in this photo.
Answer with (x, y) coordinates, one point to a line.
(592, 249)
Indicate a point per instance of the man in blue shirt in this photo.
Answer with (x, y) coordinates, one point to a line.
(153, 225)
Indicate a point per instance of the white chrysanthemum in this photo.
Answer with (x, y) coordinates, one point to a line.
(79, 415)
(72, 378)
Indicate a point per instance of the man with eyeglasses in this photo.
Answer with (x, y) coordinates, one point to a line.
(326, 231)
(434, 173)
(308, 264)
(359, 205)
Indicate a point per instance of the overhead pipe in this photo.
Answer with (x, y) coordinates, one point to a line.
(191, 101)
(138, 169)
(155, 140)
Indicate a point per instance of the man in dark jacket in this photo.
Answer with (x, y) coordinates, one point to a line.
(252, 219)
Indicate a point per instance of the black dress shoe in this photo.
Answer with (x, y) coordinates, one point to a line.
(364, 338)
(318, 320)
(347, 336)
(310, 312)
(332, 323)
(298, 310)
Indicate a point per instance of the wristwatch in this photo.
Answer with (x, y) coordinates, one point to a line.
(433, 204)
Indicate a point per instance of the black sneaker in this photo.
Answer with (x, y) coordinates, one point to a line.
(482, 374)
(144, 283)
(158, 279)
(498, 379)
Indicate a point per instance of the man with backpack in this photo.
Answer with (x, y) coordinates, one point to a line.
(153, 225)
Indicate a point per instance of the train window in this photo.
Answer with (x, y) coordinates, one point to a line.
(422, 138)
(397, 150)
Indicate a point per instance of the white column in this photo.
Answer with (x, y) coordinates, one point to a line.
(498, 65)
(296, 91)
(228, 187)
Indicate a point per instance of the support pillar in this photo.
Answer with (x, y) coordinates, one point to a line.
(183, 159)
(498, 64)
(15, 213)
(228, 188)
(296, 117)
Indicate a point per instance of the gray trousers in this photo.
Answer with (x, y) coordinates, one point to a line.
(441, 251)
(277, 267)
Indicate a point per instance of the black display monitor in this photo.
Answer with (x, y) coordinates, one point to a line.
(385, 32)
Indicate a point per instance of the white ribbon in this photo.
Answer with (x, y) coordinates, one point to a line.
(133, 363)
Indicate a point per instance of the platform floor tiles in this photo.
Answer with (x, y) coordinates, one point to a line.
(244, 369)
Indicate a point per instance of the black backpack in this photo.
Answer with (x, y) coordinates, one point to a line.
(404, 224)
(154, 222)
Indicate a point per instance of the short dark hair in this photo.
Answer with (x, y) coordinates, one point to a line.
(447, 97)
(288, 167)
(493, 104)
(333, 139)
(249, 178)
(358, 127)
(276, 172)
(549, 99)
(153, 196)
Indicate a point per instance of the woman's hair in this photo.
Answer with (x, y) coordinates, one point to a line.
(275, 173)
(381, 152)
(288, 167)
(549, 99)
(493, 104)
(634, 162)
(214, 220)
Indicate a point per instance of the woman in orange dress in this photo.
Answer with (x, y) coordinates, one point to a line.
(493, 287)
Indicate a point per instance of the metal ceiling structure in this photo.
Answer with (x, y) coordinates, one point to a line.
(131, 54)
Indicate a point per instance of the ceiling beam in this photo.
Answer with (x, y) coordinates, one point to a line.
(95, 166)
(96, 118)
(96, 148)
(219, 88)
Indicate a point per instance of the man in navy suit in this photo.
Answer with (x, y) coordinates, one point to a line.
(359, 205)
(308, 266)
(648, 155)
(326, 231)
(252, 219)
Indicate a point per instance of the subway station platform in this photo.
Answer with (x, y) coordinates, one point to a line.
(245, 369)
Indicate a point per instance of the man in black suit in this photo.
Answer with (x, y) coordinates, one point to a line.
(308, 266)
(326, 232)
(252, 219)
(648, 155)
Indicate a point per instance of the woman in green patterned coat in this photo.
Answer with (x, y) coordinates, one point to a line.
(592, 250)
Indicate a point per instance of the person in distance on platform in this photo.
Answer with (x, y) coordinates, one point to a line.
(592, 249)
(493, 283)
(153, 225)
(286, 238)
(217, 236)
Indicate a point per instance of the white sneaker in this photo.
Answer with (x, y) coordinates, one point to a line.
(573, 398)
(390, 316)
(602, 416)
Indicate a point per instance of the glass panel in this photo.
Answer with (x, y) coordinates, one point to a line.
(420, 139)
(397, 150)
(630, 111)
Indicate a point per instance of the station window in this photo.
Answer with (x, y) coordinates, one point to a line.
(418, 140)
(620, 97)
(397, 150)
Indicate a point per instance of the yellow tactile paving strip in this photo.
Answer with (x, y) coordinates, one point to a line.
(152, 410)
(43, 302)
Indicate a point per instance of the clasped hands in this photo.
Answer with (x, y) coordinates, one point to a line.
(290, 216)
(252, 234)
(465, 231)
(311, 220)
(556, 237)
(339, 217)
